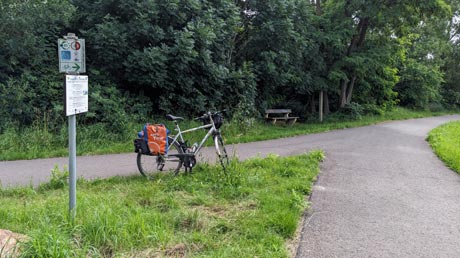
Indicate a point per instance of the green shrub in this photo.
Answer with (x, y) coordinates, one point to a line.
(352, 111)
(372, 109)
(59, 179)
(419, 85)
(245, 113)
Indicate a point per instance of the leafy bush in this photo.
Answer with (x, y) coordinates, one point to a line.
(451, 95)
(419, 85)
(107, 104)
(30, 98)
(58, 180)
(178, 53)
(186, 56)
(371, 109)
(28, 36)
(245, 112)
(353, 111)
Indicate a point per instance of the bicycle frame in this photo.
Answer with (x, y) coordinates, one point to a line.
(180, 139)
(179, 153)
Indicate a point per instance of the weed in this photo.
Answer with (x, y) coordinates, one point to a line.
(58, 180)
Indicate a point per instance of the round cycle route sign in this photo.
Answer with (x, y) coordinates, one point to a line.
(71, 53)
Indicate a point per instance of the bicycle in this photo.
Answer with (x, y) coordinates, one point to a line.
(178, 153)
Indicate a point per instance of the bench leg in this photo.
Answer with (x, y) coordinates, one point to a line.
(291, 121)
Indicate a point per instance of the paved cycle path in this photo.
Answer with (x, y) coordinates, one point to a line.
(381, 193)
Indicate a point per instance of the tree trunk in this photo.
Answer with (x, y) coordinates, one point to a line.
(350, 89)
(319, 11)
(343, 94)
(320, 105)
(312, 103)
(346, 89)
(326, 104)
(323, 94)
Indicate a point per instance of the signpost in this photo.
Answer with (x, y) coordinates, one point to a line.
(71, 55)
(71, 52)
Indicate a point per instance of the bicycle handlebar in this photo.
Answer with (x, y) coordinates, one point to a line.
(208, 114)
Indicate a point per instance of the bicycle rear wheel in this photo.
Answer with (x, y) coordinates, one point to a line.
(221, 151)
(149, 165)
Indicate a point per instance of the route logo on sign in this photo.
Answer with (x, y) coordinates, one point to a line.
(71, 55)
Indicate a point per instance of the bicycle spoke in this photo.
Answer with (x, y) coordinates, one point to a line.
(150, 165)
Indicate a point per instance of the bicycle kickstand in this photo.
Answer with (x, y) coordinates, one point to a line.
(189, 163)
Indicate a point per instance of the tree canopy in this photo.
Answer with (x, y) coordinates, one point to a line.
(184, 56)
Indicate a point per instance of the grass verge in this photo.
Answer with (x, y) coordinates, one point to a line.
(251, 211)
(445, 141)
(40, 142)
(262, 132)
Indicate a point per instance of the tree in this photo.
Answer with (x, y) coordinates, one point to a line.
(420, 71)
(30, 85)
(450, 89)
(28, 35)
(383, 18)
(280, 43)
(178, 53)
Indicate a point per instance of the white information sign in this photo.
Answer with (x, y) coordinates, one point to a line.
(71, 53)
(76, 94)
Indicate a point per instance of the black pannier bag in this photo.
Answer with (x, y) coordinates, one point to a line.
(141, 146)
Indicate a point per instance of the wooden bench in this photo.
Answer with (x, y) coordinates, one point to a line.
(274, 115)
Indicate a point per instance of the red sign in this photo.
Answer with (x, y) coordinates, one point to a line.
(75, 45)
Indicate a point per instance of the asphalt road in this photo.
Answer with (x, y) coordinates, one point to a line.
(381, 193)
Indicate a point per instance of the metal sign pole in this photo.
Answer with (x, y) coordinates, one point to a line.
(71, 52)
(72, 160)
(72, 166)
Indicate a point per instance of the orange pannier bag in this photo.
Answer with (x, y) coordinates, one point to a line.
(157, 138)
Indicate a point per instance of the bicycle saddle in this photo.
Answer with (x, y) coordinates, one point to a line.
(173, 118)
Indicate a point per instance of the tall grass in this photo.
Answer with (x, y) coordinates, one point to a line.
(250, 212)
(445, 140)
(39, 141)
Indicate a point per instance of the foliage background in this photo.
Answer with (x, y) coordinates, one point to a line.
(148, 58)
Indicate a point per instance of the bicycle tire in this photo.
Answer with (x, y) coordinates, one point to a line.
(149, 165)
(221, 151)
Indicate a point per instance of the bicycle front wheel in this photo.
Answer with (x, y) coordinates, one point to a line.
(149, 165)
(221, 151)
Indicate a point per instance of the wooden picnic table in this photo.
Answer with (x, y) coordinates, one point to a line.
(275, 115)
